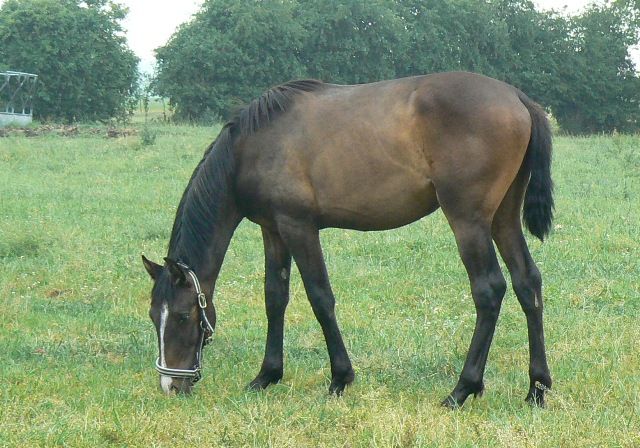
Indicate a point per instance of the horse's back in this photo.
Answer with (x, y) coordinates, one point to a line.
(370, 156)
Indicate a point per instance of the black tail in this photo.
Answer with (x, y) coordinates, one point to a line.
(538, 200)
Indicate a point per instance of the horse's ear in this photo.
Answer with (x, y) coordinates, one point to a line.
(152, 268)
(178, 276)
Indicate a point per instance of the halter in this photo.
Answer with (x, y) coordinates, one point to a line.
(195, 373)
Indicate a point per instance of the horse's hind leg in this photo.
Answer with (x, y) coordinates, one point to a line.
(526, 282)
(303, 241)
(487, 288)
(469, 206)
(276, 289)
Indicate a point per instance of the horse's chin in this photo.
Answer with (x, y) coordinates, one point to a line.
(175, 386)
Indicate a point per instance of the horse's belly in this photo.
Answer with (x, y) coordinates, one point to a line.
(382, 207)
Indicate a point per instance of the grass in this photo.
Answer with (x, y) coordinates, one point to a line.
(77, 348)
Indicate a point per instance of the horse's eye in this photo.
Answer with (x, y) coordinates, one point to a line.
(182, 318)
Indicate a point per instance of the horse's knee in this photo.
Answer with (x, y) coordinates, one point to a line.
(498, 285)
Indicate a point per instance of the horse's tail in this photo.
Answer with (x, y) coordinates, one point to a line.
(538, 199)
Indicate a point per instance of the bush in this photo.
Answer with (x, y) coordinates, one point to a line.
(86, 71)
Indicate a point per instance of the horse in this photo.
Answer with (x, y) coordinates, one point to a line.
(308, 155)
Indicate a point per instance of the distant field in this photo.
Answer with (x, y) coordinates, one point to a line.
(158, 111)
(77, 348)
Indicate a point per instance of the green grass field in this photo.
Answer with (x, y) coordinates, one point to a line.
(77, 348)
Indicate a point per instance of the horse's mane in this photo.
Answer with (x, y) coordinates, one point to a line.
(263, 109)
(209, 188)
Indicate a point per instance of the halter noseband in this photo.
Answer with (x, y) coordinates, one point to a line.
(195, 373)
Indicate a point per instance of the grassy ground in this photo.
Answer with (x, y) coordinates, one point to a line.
(77, 348)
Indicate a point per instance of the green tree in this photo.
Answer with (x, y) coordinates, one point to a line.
(451, 35)
(601, 87)
(535, 49)
(579, 68)
(230, 52)
(350, 41)
(86, 71)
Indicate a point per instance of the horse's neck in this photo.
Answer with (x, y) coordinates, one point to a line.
(207, 215)
(223, 230)
(207, 260)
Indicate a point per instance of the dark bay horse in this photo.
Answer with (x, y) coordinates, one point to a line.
(308, 155)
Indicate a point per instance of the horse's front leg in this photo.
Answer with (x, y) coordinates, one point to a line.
(276, 287)
(303, 240)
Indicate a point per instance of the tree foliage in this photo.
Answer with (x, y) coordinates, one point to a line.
(227, 54)
(86, 71)
(579, 67)
(601, 87)
(350, 41)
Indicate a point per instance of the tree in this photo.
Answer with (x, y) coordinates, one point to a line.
(602, 88)
(451, 35)
(350, 42)
(229, 53)
(579, 68)
(535, 49)
(86, 71)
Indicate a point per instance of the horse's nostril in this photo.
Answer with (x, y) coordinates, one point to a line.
(174, 388)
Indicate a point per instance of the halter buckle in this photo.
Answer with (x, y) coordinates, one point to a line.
(202, 300)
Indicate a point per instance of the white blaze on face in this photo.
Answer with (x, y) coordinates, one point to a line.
(165, 381)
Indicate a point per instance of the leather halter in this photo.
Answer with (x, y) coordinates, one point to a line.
(206, 333)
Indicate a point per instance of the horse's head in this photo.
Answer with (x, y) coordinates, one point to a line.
(183, 321)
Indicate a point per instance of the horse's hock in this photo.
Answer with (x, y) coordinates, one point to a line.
(17, 90)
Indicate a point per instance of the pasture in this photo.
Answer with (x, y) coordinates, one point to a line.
(77, 348)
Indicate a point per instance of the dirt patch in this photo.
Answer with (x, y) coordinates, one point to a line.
(52, 293)
(120, 132)
(67, 131)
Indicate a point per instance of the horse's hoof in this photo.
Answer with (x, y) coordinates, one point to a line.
(535, 397)
(338, 385)
(261, 382)
(451, 403)
(337, 389)
(460, 394)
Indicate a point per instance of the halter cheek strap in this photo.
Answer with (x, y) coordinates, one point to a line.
(206, 332)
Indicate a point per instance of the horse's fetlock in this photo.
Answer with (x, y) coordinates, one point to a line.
(269, 365)
(343, 372)
(541, 380)
(472, 383)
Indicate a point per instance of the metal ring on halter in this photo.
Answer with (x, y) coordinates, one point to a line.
(205, 336)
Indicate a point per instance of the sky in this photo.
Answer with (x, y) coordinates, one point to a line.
(150, 24)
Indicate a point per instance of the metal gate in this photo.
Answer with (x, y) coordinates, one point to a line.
(16, 97)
